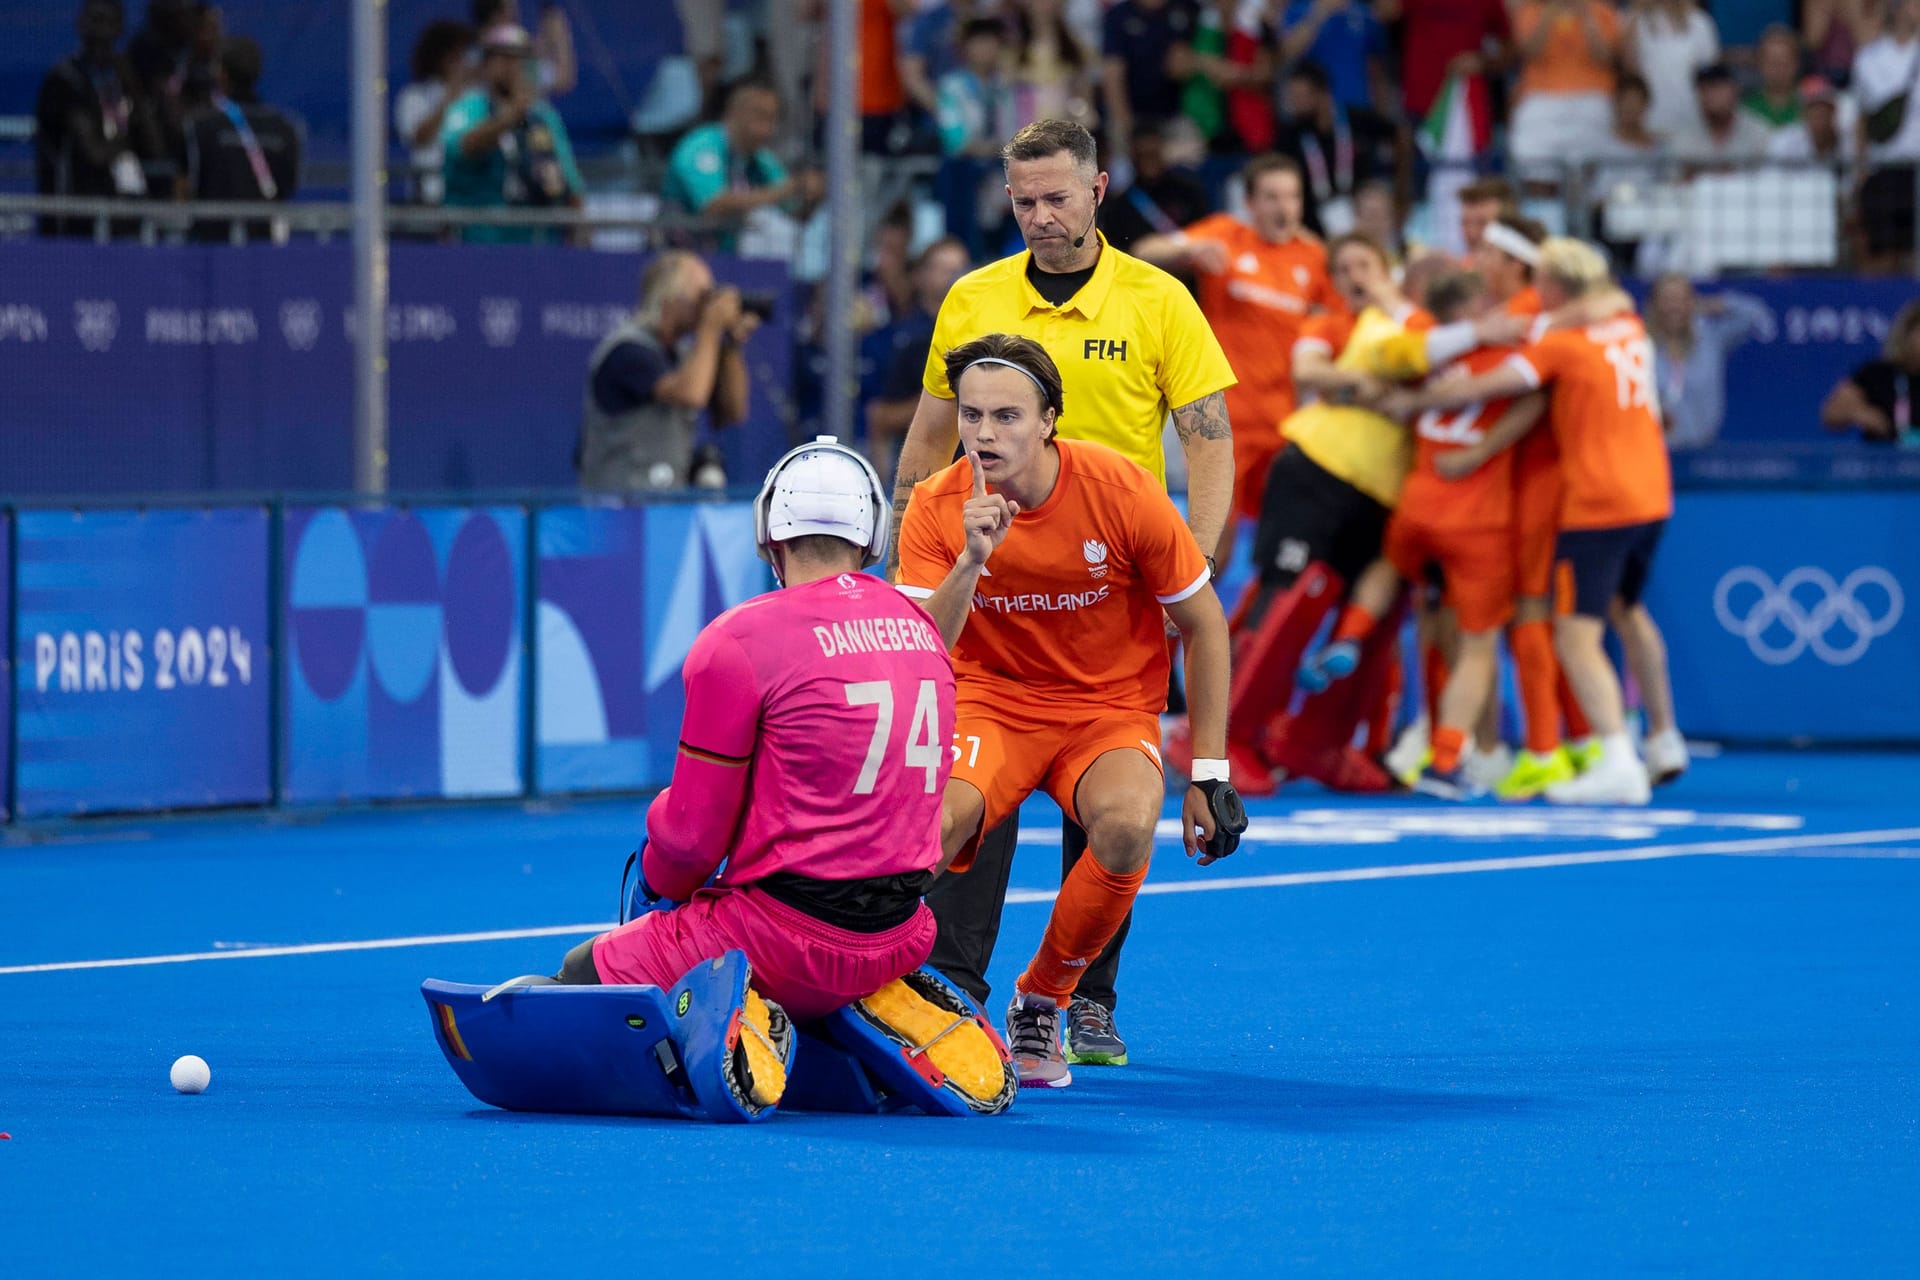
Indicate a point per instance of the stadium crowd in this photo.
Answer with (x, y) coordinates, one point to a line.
(1387, 106)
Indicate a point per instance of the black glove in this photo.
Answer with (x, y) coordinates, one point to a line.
(1229, 817)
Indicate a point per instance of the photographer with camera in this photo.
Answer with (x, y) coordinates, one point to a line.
(505, 147)
(649, 380)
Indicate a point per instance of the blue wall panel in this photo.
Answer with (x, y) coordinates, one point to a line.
(198, 368)
(6, 665)
(623, 593)
(1787, 615)
(142, 671)
(405, 672)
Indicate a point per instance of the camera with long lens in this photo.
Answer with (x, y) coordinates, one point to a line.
(759, 302)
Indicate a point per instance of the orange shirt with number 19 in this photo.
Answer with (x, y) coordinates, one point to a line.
(1613, 454)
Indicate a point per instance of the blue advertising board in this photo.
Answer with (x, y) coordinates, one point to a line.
(404, 672)
(142, 660)
(623, 593)
(1814, 330)
(197, 368)
(6, 665)
(1787, 615)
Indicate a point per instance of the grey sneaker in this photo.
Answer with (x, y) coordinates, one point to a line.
(1033, 1035)
(1091, 1038)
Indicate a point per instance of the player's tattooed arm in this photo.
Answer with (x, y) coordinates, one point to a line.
(1207, 439)
(1205, 418)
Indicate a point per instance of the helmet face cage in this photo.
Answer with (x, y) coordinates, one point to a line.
(876, 548)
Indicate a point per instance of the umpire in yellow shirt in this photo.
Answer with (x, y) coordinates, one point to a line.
(1132, 347)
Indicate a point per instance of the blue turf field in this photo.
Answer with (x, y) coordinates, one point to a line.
(1640, 1060)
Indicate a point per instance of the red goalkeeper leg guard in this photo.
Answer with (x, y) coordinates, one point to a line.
(1317, 743)
(1268, 651)
(1266, 657)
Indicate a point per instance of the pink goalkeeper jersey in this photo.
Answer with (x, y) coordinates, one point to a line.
(816, 741)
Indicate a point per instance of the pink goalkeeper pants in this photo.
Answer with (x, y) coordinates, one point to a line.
(807, 967)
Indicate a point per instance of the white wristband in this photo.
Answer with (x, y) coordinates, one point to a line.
(1208, 771)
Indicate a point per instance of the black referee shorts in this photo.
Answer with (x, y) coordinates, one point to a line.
(1608, 564)
(1311, 514)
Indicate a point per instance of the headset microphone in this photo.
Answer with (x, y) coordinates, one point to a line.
(1091, 219)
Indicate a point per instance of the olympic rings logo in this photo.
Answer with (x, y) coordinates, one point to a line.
(1777, 609)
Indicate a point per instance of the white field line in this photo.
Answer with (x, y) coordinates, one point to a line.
(314, 948)
(1776, 846)
(1530, 862)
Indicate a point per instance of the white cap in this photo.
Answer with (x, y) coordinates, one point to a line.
(823, 487)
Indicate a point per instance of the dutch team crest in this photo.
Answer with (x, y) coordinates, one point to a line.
(1095, 553)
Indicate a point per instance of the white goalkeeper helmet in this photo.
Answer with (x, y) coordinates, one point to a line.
(823, 487)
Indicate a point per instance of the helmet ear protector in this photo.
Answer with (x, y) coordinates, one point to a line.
(823, 487)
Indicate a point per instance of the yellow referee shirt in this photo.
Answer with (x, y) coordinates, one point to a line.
(1131, 345)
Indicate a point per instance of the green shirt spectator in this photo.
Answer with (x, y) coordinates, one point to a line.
(703, 165)
(1776, 101)
(725, 170)
(504, 147)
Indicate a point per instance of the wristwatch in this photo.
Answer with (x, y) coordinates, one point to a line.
(1213, 570)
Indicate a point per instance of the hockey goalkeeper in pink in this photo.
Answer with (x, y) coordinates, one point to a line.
(812, 759)
(782, 871)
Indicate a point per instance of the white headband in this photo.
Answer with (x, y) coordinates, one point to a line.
(1512, 243)
(1046, 401)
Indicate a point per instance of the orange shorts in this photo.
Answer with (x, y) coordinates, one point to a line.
(1536, 524)
(1253, 455)
(1475, 564)
(1007, 753)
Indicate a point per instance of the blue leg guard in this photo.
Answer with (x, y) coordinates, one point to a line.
(610, 1050)
(916, 1042)
(828, 1078)
(712, 1028)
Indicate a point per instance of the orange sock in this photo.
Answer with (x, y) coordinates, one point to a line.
(1447, 743)
(1538, 676)
(1433, 674)
(1578, 726)
(1092, 903)
(1355, 623)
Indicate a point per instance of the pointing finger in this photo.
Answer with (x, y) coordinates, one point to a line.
(979, 476)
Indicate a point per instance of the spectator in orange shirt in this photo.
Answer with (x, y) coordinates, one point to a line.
(1568, 50)
(1258, 281)
(884, 125)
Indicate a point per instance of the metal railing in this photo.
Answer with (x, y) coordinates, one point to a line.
(160, 221)
(1668, 212)
(155, 221)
